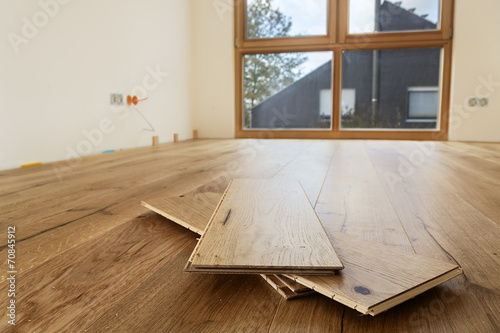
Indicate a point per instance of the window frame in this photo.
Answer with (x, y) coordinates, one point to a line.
(337, 40)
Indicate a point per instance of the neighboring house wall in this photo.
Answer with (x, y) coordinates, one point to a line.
(399, 70)
(298, 105)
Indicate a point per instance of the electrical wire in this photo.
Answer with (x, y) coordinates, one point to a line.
(142, 115)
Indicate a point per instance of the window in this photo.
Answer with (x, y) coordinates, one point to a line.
(343, 68)
(325, 104)
(371, 16)
(348, 100)
(423, 103)
(385, 81)
(282, 18)
(283, 90)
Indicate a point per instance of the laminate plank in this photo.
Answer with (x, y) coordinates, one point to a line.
(292, 284)
(191, 213)
(189, 268)
(276, 282)
(193, 210)
(375, 277)
(354, 201)
(265, 225)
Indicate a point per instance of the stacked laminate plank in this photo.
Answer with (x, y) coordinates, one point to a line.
(375, 278)
(194, 210)
(268, 227)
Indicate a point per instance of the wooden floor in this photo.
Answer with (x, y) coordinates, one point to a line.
(90, 258)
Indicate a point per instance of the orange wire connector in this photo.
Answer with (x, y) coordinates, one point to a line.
(134, 100)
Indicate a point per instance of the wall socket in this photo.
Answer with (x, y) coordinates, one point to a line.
(479, 102)
(116, 99)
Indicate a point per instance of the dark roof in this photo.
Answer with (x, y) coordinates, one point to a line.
(395, 18)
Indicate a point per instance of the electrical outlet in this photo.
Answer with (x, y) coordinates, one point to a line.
(479, 102)
(483, 102)
(116, 99)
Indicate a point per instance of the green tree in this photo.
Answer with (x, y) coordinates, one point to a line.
(267, 74)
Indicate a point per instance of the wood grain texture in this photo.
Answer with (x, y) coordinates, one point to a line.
(269, 226)
(460, 233)
(310, 314)
(91, 215)
(193, 210)
(191, 213)
(375, 278)
(172, 301)
(354, 201)
(94, 276)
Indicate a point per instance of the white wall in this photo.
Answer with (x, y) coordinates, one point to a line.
(57, 86)
(59, 82)
(213, 44)
(476, 61)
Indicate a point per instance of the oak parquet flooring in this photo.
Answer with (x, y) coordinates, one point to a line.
(438, 173)
(354, 201)
(91, 278)
(444, 226)
(457, 204)
(172, 301)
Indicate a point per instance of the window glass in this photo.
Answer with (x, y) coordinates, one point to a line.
(393, 88)
(371, 16)
(287, 90)
(285, 18)
(423, 102)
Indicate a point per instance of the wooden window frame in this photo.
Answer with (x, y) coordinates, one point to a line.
(337, 40)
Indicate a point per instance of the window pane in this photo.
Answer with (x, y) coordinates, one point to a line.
(423, 102)
(392, 88)
(285, 18)
(287, 90)
(367, 16)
